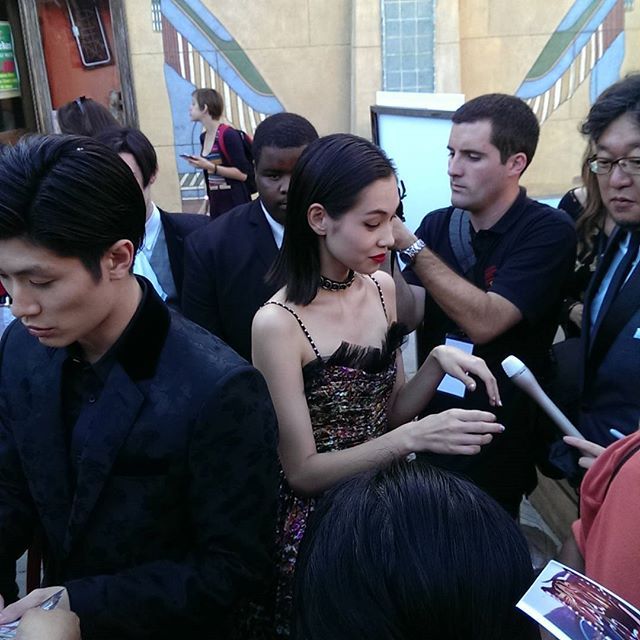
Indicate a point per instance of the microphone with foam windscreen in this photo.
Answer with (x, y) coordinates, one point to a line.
(523, 378)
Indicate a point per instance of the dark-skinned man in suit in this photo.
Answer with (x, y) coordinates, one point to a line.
(227, 261)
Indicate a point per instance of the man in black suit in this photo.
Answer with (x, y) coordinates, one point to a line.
(611, 318)
(226, 262)
(135, 446)
(161, 256)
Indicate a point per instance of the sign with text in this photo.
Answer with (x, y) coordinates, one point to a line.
(9, 80)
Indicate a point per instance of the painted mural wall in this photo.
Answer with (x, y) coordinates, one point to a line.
(558, 56)
(322, 58)
(263, 57)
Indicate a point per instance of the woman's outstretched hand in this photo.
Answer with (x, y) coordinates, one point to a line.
(460, 365)
(455, 431)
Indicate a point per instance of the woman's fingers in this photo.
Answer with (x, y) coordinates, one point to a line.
(461, 365)
(456, 431)
(479, 368)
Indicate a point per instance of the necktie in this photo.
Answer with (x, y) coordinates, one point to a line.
(620, 275)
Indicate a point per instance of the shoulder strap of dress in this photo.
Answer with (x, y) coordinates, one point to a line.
(384, 306)
(302, 326)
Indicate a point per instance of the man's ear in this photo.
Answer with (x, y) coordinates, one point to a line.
(317, 217)
(517, 163)
(118, 259)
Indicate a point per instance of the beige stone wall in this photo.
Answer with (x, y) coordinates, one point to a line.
(147, 62)
(484, 46)
(321, 58)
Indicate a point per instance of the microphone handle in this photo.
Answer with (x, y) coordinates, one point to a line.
(563, 423)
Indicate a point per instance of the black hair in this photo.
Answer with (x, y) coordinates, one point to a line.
(85, 117)
(71, 195)
(283, 131)
(619, 99)
(133, 141)
(514, 126)
(407, 553)
(332, 171)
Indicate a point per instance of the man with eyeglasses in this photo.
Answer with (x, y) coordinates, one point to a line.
(611, 323)
(603, 543)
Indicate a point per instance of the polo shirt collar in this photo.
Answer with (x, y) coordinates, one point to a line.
(512, 214)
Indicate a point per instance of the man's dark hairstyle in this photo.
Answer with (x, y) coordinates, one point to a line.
(619, 99)
(407, 553)
(133, 141)
(283, 131)
(85, 117)
(332, 171)
(71, 195)
(514, 126)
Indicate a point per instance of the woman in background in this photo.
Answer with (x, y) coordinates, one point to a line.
(85, 117)
(222, 157)
(594, 225)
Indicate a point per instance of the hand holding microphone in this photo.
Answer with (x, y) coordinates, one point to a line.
(523, 378)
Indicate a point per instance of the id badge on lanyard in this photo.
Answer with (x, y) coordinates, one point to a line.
(449, 384)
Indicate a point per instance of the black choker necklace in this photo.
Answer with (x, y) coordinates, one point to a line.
(334, 285)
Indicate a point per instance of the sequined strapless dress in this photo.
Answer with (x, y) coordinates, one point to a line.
(347, 394)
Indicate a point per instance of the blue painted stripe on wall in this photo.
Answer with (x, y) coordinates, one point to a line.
(185, 134)
(573, 15)
(607, 69)
(212, 21)
(533, 88)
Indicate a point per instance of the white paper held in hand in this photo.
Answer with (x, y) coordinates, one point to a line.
(449, 384)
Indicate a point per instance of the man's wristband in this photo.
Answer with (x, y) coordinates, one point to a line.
(408, 255)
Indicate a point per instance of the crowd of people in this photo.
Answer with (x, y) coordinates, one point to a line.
(205, 425)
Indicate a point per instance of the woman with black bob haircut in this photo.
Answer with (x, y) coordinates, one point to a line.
(321, 177)
(411, 552)
(328, 344)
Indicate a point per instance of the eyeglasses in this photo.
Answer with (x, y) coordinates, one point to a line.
(602, 166)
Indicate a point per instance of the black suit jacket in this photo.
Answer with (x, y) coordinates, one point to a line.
(177, 226)
(611, 356)
(225, 267)
(174, 511)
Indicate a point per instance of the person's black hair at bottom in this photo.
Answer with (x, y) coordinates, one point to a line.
(411, 552)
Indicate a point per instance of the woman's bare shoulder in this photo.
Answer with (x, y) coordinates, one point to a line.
(274, 317)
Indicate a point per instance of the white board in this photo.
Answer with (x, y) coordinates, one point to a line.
(416, 140)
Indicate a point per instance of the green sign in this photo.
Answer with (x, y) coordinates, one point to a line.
(9, 80)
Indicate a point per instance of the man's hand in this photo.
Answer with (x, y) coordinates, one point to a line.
(402, 237)
(38, 624)
(34, 599)
(589, 450)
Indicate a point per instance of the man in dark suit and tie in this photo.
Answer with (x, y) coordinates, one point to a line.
(161, 256)
(611, 322)
(135, 447)
(226, 262)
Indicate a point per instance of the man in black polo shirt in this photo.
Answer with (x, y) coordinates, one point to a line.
(490, 271)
